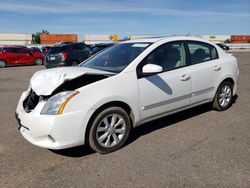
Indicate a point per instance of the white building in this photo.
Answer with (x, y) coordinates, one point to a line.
(100, 38)
(141, 36)
(15, 39)
(216, 38)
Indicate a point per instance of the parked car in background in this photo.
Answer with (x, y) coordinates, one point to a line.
(69, 54)
(19, 55)
(223, 46)
(122, 87)
(99, 47)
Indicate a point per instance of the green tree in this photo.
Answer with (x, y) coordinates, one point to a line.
(36, 36)
(227, 41)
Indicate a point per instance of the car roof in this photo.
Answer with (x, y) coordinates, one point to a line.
(169, 38)
(12, 46)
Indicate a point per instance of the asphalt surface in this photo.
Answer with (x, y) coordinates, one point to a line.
(195, 148)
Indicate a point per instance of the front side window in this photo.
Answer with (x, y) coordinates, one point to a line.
(201, 52)
(116, 58)
(169, 56)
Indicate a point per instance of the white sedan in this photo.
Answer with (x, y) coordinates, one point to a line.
(121, 87)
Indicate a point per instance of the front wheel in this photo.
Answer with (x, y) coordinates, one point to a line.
(109, 130)
(224, 96)
(38, 61)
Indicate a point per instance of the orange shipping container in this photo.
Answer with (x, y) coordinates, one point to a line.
(240, 38)
(56, 38)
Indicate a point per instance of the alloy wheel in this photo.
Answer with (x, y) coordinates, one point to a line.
(225, 96)
(111, 130)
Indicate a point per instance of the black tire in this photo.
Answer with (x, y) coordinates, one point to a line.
(2, 64)
(99, 130)
(222, 95)
(38, 61)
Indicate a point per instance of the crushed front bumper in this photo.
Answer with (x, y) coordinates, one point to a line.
(50, 131)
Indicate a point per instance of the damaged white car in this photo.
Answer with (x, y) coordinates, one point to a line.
(124, 86)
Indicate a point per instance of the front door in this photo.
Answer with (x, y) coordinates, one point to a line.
(167, 91)
(24, 56)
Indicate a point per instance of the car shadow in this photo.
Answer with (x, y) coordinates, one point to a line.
(170, 120)
(75, 152)
(167, 121)
(84, 150)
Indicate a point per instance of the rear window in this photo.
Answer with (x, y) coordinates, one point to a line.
(8, 50)
(77, 47)
(22, 51)
(201, 52)
(54, 50)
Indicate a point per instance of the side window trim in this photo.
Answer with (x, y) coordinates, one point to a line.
(140, 65)
(203, 43)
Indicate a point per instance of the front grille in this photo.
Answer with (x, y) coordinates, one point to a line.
(31, 101)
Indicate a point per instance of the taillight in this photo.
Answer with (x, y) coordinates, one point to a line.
(64, 55)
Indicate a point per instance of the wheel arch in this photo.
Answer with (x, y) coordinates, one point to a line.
(120, 104)
(39, 58)
(229, 79)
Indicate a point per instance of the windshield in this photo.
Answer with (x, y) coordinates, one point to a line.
(116, 58)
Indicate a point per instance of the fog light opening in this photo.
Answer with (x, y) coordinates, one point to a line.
(51, 138)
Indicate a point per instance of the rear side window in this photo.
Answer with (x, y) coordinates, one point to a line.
(8, 50)
(77, 47)
(54, 50)
(22, 51)
(201, 52)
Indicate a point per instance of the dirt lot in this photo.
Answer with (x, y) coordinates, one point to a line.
(195, 148)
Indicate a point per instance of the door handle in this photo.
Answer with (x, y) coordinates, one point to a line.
(185, 77)
(217, 67)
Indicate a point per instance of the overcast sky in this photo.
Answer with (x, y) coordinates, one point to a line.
(125, 17)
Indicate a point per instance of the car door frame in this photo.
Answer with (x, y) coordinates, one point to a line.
(204, 92)
(164, 111)
(24, 58)
(10, 57)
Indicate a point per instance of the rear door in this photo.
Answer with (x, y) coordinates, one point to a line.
(206, 70)
(9, 55)
(24, 56)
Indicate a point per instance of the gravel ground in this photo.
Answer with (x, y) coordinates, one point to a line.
(195, 148)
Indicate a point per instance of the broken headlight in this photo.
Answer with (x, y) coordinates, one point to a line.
(56, 103)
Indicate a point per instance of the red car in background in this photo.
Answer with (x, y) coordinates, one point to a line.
(19, 55)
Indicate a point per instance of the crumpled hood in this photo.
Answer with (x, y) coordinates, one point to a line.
(44, 82)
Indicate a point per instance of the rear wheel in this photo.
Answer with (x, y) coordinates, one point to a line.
(109, 130)
(2, 64)
(38, 61)
(224, 96)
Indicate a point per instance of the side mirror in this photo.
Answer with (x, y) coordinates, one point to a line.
(151, 69)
